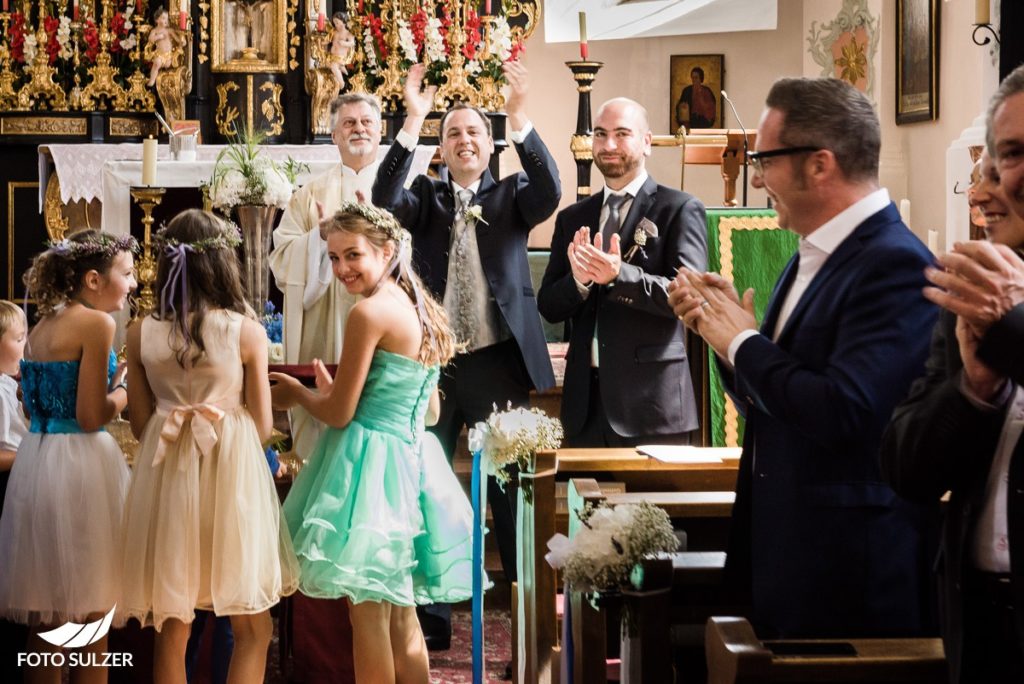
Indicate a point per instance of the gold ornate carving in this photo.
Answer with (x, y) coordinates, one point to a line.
(294, 41)
(103, 90)
(226, 114)
(249, 102)
(56, 221)
(43, 125)
(227, 56)
(147, 198)
(132, 128)
(582, 147)
(139, 98)
(533, 13)
(204, 32)
(431, 128)
(41, 87)
(321, 86)
(272, 110)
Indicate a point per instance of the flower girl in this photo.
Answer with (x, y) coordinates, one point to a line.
(60, 533)
(377, 515)
(203, 524)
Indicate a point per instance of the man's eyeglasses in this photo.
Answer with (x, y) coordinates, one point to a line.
(756, 159)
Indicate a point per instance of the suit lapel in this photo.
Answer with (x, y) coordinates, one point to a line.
(771, 313)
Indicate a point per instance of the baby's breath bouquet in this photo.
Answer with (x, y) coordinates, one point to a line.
(512, 437)
(244, 176)
(600, 557)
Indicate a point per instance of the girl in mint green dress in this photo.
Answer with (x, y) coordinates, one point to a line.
(377, 515)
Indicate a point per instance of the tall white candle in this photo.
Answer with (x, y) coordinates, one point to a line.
(149, 161)
(933, 241)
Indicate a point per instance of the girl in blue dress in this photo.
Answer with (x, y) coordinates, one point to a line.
(377, 515)
(60, 532)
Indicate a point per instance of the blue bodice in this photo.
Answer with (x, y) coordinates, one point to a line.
(50, 390)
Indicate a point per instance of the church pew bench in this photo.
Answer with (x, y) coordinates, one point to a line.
(736, 656)
(536, 638)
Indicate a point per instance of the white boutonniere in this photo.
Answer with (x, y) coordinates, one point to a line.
(644, 230)
(475, 214)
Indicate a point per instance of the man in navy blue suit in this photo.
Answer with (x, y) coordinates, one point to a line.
(470, 235)
(821, 545)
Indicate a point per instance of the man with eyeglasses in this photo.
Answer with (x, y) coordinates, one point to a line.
(821, 546)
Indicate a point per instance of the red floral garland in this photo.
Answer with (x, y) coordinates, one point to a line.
(18, 37)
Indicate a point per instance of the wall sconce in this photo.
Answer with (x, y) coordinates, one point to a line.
(982, 24)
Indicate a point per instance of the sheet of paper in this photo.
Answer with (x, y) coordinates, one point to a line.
(670, 453)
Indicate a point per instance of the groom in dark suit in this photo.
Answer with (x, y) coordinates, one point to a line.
(626, 378)
(470, 234)
(820, 544)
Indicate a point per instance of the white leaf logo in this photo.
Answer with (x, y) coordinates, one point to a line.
(74, 635)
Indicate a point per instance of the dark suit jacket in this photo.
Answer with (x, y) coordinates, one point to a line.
(642, 345)
(822, 543)
(511, 208)
(938, 441)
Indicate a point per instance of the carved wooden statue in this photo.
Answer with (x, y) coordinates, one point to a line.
(170, 52)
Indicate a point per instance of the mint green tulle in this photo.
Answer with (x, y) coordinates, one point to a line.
(377, 514)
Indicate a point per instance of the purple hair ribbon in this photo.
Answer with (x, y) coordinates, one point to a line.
(176, 286)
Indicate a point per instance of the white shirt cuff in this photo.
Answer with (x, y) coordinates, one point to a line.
(319, 273)
(581, 288)
(519, 136)
(734, 346)
(407, 140)
(998, 402)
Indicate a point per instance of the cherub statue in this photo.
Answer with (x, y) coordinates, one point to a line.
(342, 45)
(164, 39)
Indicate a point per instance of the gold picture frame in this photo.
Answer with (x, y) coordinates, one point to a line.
(917, 60)
(248, 36)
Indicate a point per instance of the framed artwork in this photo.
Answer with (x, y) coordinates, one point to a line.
(248, 36)
(917, 60)
(695, 94)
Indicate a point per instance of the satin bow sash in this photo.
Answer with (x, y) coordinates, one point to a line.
(203, 419)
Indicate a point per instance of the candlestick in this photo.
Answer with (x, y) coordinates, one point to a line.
(147, 198)
(981, 12)
(584, 53)
(149, 161)
(581, 143)
(321, 21)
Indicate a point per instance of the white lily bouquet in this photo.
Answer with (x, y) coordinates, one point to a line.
(512, 437)
(245, 176)
(602, 554)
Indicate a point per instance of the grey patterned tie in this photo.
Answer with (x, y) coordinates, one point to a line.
(464, 322)
(612, 223)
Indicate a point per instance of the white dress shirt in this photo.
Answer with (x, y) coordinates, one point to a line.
(13, 426)
(814, 251)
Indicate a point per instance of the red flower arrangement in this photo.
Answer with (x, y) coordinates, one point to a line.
(18, 37)
(50, 25)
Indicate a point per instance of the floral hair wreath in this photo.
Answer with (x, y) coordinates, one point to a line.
(384, 220)
(103, 244)
(230, 237)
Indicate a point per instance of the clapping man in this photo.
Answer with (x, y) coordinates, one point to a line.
(960, 429)
(820, 544)
(614, 289)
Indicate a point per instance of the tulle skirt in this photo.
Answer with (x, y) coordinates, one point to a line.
(375, 518)
(60, 534)
(204, 531)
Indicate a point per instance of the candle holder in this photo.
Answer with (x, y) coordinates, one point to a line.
(582, 141)
(986, 40)
(147, 198)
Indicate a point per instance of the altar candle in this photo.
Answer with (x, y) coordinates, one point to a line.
(360, 7)
(74, 9)
(487, 7)
(6, 7)
(933, 241)
(981, 12)
(905, 211)
(583, 35)
(149, 161)
(181, 20)
(321, 21)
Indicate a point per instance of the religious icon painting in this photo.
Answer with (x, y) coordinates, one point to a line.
(696, 83)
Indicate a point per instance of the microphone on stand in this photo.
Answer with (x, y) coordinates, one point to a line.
(725, 96)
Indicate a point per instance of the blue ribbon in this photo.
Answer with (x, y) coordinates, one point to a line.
(478, 573)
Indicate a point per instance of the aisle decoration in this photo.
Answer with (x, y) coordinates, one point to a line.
(508, 438)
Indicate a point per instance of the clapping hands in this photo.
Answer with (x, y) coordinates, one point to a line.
(588, 261)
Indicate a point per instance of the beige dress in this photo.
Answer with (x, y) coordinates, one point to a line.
(203, 525)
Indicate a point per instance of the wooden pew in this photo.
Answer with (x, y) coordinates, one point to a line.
(536, 639)
(591, 626)
(735, 655)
